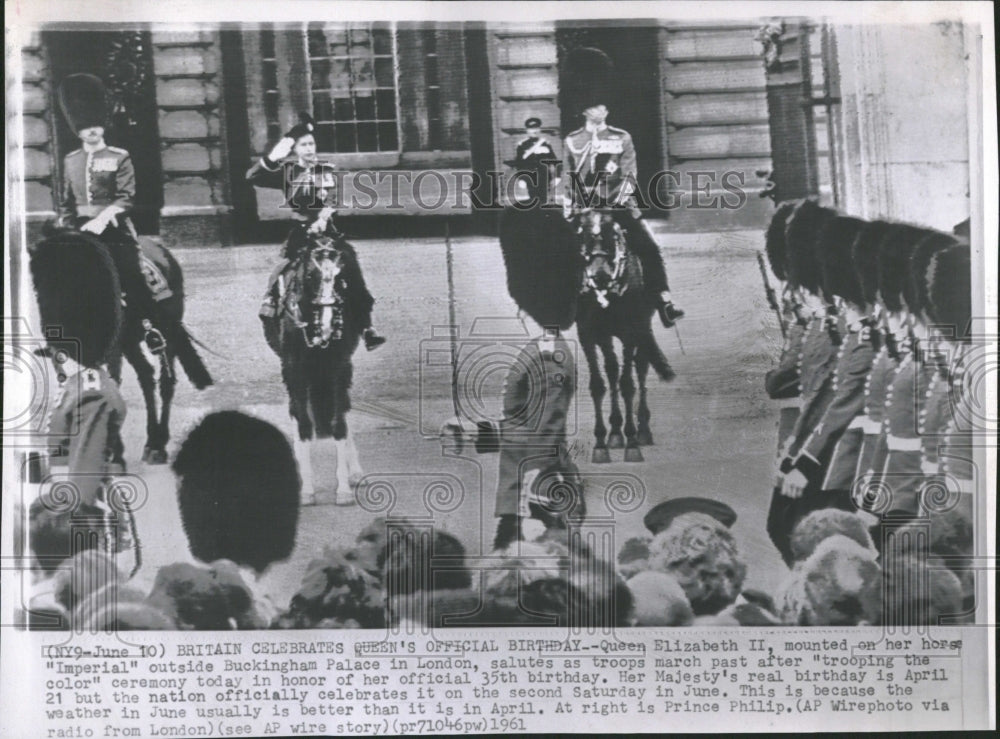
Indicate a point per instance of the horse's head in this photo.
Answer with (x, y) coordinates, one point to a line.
(602, 244)
(322, 297)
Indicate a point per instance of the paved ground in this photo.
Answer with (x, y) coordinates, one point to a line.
(714, 426)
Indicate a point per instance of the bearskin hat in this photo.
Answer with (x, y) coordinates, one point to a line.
(238, 490)
(916, 286)
(864, 255)
(79, 294)
(950, 294)
(833, 248)
(893, 262)
(83, 101)
(774, 241)
(588, 80)
(543, 264)
(801, 234)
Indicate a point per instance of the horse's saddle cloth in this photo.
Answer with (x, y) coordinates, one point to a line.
(155, 278)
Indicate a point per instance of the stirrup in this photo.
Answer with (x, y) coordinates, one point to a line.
(154, 339)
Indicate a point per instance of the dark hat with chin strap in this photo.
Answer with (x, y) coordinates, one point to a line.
(83, 101)
(305, 126)
(661, 515)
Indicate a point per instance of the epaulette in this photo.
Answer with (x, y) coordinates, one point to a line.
(72, 153)
(116, 150)
(581, 129)
(617, 130)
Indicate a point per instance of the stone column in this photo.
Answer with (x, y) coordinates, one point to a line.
(904, 146)
(196, 202)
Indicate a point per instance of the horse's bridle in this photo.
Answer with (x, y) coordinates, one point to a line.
(595, 220)
(325, 256)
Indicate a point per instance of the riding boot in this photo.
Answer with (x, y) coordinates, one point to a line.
(372, 340)
(508, 531)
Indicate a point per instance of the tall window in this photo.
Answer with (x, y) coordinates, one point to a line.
(353, 86)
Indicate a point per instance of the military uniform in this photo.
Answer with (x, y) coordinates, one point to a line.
(535, 155)
(900, 468)
(815, 363)
(531, 436)
(92, 181)
(835, 441)
(782, 382)
(87, 420)
(309, 188)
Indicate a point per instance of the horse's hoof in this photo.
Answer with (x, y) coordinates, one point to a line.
(644, 437)
(600, 455)
(633, 454)
(616, 440)
(154, 456)
(355, 480)
(310, 500)
(344, 497)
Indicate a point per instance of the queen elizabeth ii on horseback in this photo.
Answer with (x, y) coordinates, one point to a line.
(311, 194)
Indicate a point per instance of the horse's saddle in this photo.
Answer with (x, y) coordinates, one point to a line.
(157, 281)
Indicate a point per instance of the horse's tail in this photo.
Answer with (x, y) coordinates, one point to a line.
(651, 352)
(191, 361)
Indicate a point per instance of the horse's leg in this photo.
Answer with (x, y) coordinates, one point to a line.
(644, 437)
(632, 452)
(167, 383)
(597, 389)
(613, 369)
(146, 374)
(298, 409)
(341, 405)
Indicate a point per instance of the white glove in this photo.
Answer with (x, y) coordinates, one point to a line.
(567, 206)
(96, 225)
(282, 149)
(318, 226)
(456, 432)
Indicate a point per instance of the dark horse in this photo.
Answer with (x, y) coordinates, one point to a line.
(614, 305)
(154, 371)
(315, 329)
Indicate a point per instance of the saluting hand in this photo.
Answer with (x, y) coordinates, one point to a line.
(282, 149)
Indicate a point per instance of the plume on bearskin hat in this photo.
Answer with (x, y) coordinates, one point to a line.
(774, 240)
(543, 264)
(864, 255)
(238, 490)
(833, 249)
(587, 80)
(893, 262)
(79, 294)
(83, 101)
(801, 234)
(950, 294)
(915, 287)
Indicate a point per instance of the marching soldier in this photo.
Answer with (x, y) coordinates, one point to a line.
(815, 361)
(901, 467)
(600, 170)
(310, 190)
(99, 191)
(78, 292)
(536, 469)
(782, 382)
(535, 156)
(828, 458)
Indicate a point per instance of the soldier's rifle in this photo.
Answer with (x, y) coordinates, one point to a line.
(772, 297)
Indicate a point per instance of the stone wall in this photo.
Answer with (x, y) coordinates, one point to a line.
(905, 121)
(196, 203)
(35, 135)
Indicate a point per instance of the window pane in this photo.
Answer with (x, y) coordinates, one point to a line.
(386, 104)
(270, 76)
(365, 106)
(387, 137)
(382, 41)
(367, 137)
(346, 137)
(343, 110)
(384, 76)
(325, 140)
(317, 41)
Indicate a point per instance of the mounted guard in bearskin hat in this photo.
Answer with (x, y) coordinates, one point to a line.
(99, 192)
